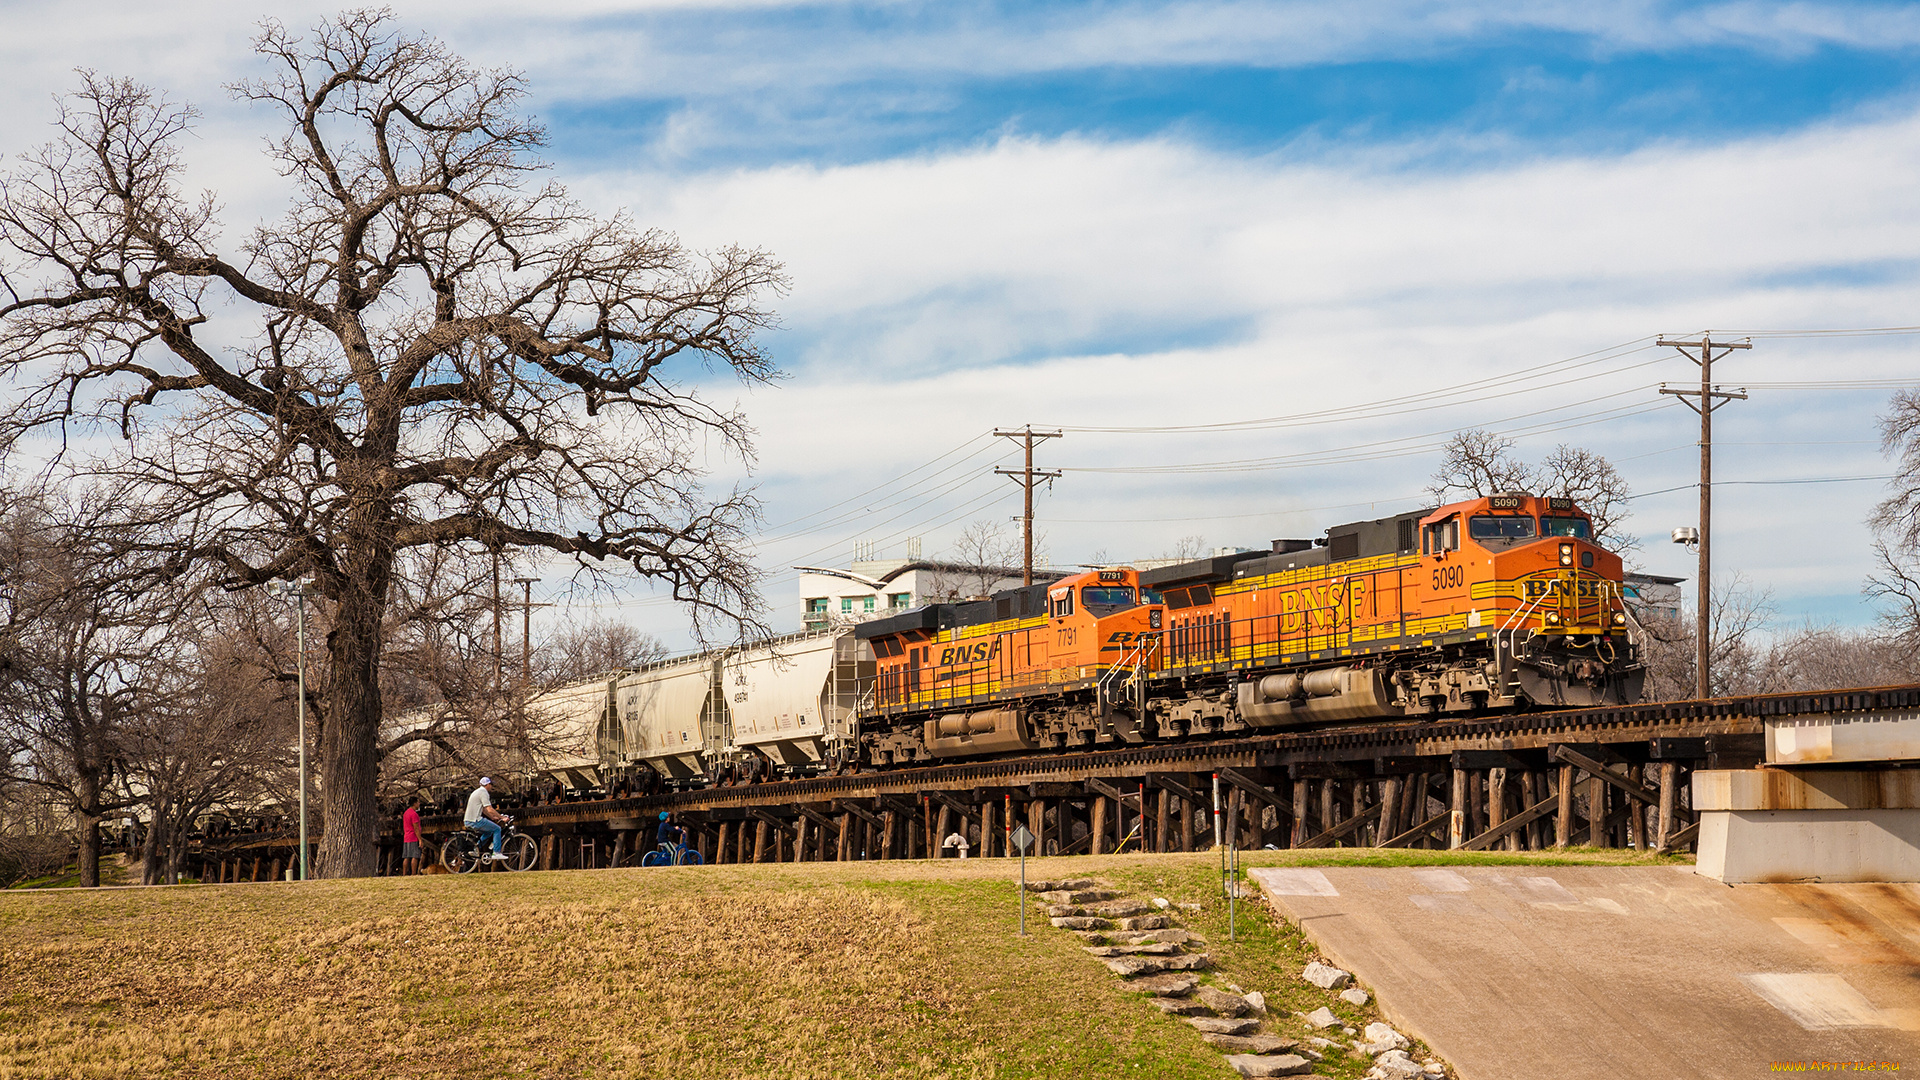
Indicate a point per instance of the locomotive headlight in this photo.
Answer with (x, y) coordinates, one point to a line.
(1566, 554)
(1619, 618)
(1553, 618)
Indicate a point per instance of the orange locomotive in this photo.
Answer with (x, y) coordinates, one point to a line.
(1501, 602)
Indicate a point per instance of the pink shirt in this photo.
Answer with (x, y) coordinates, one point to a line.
(410, 826)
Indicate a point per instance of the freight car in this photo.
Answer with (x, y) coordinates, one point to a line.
(1502, 602)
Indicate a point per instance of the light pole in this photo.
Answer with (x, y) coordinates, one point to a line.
(526, 627)
(299, 591)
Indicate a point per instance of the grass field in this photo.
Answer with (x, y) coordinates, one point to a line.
(814, 970)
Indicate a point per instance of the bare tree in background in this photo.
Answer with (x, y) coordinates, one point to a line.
(1739, 654)
(1480, 463)
(78, 644)
(431, 349)
(982, 557)
(579, 651)
(1896, 578)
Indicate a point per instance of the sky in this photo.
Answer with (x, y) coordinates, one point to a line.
(1256, 261)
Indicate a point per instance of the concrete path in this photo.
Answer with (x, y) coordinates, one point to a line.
(1527, 973)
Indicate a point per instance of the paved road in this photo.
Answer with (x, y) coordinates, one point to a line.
(1527, 973)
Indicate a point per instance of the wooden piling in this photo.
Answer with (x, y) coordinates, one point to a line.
(1563, 820)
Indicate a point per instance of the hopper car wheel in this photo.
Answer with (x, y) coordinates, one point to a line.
(688, 857)
(521, 852)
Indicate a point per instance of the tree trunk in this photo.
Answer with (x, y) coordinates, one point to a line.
(349, 737)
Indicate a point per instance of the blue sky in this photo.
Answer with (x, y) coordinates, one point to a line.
(1169, 215)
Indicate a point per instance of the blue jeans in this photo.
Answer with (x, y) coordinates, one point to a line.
(499, 838)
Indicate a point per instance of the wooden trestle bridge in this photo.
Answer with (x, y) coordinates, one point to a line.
(1613, 777)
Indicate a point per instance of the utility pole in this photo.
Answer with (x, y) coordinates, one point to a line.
(1027, 478)
(526, 626)
(1704, 352)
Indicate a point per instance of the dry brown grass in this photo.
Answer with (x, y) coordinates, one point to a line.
(811, 971)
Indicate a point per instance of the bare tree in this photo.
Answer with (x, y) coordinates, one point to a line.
(432, 350)
(1479, 463)
(1896, 583)
(1896, 520)
(581, 650)
(985, 553)
(78, 642)
(1739, 654)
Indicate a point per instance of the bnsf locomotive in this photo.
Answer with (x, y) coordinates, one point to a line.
(1503, 602)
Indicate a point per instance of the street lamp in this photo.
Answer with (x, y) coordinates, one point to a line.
(299, 591)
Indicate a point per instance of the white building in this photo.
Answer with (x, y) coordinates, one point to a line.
(871, 588)
(1653, 595)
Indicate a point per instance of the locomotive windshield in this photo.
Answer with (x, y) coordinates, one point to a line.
(1566, 526)
(1107, 596)
(1500, 528)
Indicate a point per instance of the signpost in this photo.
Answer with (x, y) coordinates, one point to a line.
(1022, 840)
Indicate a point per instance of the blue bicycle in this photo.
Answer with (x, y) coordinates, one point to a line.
(672, 854)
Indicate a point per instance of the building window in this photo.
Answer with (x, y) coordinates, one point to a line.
(846, 605)
(869, 604)
(899, 601)
(816, 605)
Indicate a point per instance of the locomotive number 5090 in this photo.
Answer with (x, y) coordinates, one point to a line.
(1448, 577)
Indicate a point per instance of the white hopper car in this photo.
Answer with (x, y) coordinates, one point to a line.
(790, 701)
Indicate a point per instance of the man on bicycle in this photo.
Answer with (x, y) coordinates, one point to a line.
(484, 819)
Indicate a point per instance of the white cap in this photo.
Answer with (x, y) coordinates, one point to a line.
(485, 780)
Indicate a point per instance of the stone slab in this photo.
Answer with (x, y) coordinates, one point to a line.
(1594, 973)
(1738, 846)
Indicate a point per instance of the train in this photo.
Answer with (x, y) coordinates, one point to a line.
(1498, 603)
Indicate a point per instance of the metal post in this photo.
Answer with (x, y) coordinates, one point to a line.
(1023, 892)
(300, 678)
(1216, 810)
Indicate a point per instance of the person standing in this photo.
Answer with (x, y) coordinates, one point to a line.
(410, 838)
(483, 817)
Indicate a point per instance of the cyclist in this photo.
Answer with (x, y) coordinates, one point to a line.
(484, 819)
(670, 832)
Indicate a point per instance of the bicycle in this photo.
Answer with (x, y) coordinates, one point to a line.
(672, 854)
(468, 850)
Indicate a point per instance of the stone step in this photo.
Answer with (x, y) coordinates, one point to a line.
(1077, 896)
(1263, 1065)
(1129, 966)
(1140, 937)
(1221, 1025)
(1158, 948)
(1057, 886)
(1170, 984)
(1222, 1002)
(1081, 922)
(1174, 1006)
(1249, 1044)
(1146, 922)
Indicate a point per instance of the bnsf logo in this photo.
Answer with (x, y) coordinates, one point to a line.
(971, 654)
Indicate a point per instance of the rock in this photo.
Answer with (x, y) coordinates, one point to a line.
(1324, 977)
(1396, 1065)
(1169, 985)
(1118, 909)
(1078, 896)
(1081, 922)
(1220, 1025)
(1174, 1006)
(1248, 1044)
(1257, 1001)
(1322, 1018)
(1381, 1038)
(1324, 1044)
(1129, 966)
(1434, 1069)
(1160, 902)
(1348, 1031)
(1061, 886)
(1222, 1002)
(1261, 1065)
(1155, 949)
(1355, 996)
(1146, 922)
